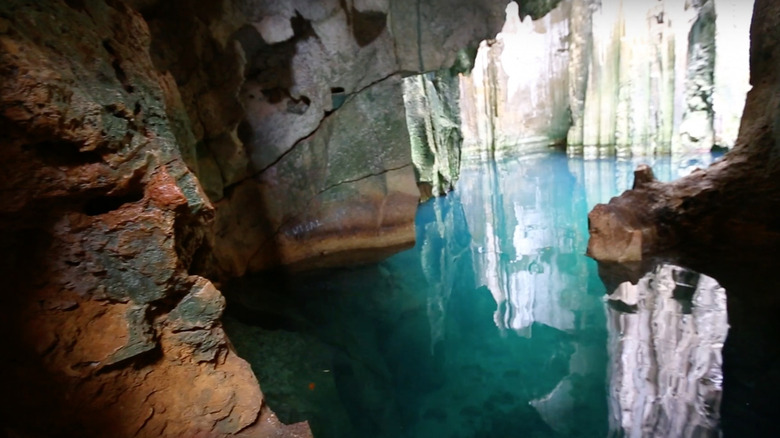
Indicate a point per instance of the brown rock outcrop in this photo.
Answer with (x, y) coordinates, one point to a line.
(105, 332)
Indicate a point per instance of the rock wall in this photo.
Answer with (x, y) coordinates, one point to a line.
(516, 95)
(641, 79)
(433, 120)
(651, 83)
(282, 94)
(106, 333)
(328, 177)
(732, 78)
(149, 145)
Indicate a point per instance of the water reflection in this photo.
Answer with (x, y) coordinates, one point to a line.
(494, 325)
(443, 243)
(526, 223)
(605, 178)
(526, 217)
(666, 334)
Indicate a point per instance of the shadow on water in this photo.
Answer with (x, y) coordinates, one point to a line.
(494, 325)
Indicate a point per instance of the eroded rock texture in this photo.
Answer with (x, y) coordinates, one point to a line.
(298, 119)
(433, 120)
(642, 79)
(146, 144)
(105, 331)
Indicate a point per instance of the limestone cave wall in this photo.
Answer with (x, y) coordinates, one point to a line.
(297, 112)
(516, 95)
(107, 333)
(433, 120)
(642, 79)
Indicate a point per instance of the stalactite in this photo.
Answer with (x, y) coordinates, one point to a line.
(433, 119)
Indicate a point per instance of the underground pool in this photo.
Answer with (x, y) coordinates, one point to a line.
(495, 324)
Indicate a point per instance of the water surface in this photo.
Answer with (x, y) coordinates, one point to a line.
(494, 325)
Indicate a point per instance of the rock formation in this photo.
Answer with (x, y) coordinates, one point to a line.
(106, 331)
(286, 174)
(715, 213)
(433, 120)
(149, 145)
(641, 79)
(516, 95)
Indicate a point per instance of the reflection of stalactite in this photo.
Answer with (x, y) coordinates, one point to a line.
(440, 255)
(523, 253)
(665, 341)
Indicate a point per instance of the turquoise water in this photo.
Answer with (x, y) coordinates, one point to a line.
(494, 325)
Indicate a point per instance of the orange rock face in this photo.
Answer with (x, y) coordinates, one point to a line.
(105, 331)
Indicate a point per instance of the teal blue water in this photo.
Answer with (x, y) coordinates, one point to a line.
(493, 325)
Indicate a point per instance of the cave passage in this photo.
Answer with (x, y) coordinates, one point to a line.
(495, 325)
